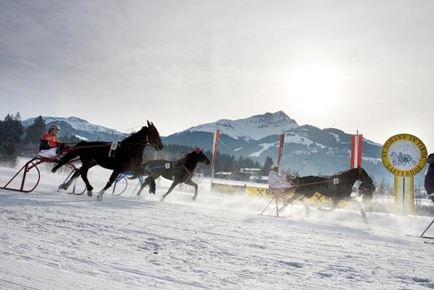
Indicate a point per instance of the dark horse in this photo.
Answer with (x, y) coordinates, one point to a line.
(180, 171)
(126, 156)
(336, 187)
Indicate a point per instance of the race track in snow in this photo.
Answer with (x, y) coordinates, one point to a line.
(54, 240)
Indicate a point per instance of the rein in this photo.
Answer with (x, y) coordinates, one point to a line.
(318, 182)
(107, 144)
(188, 171)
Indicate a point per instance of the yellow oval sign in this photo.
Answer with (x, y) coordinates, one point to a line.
(404, 155)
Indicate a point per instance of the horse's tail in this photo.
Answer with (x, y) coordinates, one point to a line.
(74, 152)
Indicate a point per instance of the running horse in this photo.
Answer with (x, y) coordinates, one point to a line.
(180, 171)
(337, 187)
(125, 156)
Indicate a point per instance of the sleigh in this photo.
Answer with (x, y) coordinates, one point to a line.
(27, 178)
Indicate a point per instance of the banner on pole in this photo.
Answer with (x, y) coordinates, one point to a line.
(279, 149)
(404, 194)
(356, 151)
(216, 141)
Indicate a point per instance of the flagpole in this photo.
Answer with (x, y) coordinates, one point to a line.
(216, 141)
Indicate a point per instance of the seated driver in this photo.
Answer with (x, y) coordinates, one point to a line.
(49, 147)
(276, 181)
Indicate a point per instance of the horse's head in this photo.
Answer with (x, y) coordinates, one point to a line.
(154, 137)
(201, 156)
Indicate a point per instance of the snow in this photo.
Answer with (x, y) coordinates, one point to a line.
(373, 160)
(54, 240)
(337, 138)
(80, 137)
(297, 139)
(372, 143)
(264, 146)
(76, 123)
(255, 127)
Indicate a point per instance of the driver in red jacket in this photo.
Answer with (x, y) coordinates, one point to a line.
(49, 147)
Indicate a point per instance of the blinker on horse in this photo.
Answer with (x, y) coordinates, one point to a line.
(127, 157)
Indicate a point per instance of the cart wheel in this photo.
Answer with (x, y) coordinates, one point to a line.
(78, 187)
(120, 185)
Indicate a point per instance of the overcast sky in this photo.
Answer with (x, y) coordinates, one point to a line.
(352, 65)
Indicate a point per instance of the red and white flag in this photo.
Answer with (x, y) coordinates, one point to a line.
(356, 151)
(279, 149)
(216, 141)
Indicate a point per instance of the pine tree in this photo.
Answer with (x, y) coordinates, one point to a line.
(267, 165)
(11, 131)
(35, 131)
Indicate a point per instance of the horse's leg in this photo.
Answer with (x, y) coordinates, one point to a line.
(190, 182)
(112, 179)
(290, 200)
(148, 181)
(83, 173)
(59, 164)
(306, 207)
(362, 212)
(175, 183)
(152, 186)
(143, 184)
(68, 182)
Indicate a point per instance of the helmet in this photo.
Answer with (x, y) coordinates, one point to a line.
(54, 127)
(275, 166)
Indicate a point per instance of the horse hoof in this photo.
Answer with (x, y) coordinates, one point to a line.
(162, 199)
(89, 193)
(99, 197)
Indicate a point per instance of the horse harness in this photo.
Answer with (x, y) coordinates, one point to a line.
(167, 165)
(115, 145)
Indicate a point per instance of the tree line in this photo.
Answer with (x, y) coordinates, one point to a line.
(225, 162)
(15, 140)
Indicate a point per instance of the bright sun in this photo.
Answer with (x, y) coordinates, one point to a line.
(314, 88)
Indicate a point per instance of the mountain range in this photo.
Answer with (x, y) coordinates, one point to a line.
(80, 128)
(307, 149)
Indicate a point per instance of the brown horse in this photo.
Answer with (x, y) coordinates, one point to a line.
(336, 187)
(127, 156)
(180, 171)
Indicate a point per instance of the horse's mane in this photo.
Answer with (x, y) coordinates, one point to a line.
(309, 179)
(189, 157)
(136, 135)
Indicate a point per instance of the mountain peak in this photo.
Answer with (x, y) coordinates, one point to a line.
(254, 127)
(74, 122)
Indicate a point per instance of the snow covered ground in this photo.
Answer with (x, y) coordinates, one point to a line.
(54, 240)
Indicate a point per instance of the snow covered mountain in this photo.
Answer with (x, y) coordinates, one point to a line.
(324, 151)
(80, 128)
(255, 127)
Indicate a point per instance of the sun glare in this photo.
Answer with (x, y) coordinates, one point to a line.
(315, 88)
